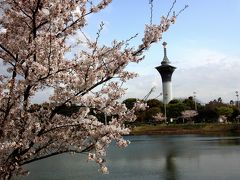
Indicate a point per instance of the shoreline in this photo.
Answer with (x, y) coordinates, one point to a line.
(180, 129)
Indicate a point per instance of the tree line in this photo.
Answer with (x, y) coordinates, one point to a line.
(209, 113)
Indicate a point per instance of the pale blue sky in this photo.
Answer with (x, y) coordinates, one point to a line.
(203, 45)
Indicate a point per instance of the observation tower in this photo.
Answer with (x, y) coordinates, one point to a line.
(166, 71)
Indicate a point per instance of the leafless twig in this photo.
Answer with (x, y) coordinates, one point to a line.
(151, 9)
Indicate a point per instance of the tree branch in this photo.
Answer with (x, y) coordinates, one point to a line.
(60, 127)
(22, 10)
(173, 4)
(8, 52)
(72, 24)
(87, 149)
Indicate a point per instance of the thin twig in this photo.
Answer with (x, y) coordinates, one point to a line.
(97, 38)
(186, 6)
(128, 40)
(173, 4)
(151, 9)
(85, 36)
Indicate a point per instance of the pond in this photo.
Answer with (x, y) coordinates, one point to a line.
(170, 157)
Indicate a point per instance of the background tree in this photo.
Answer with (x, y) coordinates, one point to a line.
(151, 112)
(154, 103)
(175, 101)
(33, 48)
(159, 117)
(130, 102)
(231, 102)
(140, 114)
(189, 114)
(235, 113)
(219, 100)
(154, 107)
(209, 113)
(224, 111)
(189, 102)
(212, 110)
(175, 107)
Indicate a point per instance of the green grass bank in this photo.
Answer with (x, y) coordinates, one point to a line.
(162, 129)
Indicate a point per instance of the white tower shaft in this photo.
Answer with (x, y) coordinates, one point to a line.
(167, 91)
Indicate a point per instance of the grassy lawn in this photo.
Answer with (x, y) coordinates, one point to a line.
(185, 129)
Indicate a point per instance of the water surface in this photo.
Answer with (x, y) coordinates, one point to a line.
(181, 157)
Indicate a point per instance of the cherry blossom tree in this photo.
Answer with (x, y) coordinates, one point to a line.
(188, 114)
(159, 117)
(33, 48)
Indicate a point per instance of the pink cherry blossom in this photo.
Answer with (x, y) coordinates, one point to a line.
(33, 47)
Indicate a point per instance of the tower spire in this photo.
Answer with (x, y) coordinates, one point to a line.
(165, 60)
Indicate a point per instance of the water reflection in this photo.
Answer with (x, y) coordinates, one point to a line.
(171, 168)
(228, 141)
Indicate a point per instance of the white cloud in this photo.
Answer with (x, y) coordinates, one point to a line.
(190, 58)
(210, 73)
(140, 87)
(210, 81)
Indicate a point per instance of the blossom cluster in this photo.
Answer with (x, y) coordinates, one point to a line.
(153, 32)
(159, 117)
(33, 48)
(189, 113)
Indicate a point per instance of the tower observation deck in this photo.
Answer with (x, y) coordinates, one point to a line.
(166, 71)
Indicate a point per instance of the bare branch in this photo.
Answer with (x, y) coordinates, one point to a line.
(87, 149)
(173, 4)
(25, 13)
(8, 52)
(151, 10)
(186, 6)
